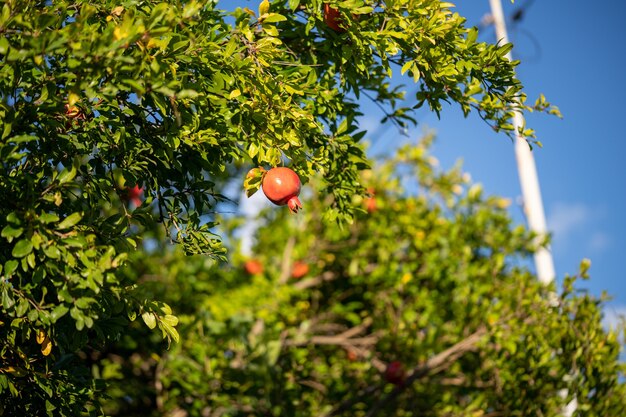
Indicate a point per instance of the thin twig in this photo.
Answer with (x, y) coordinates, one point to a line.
(336, 340)
(315, 281)
(286, 263)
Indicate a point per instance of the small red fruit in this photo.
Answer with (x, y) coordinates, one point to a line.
(134, 195)
(332, 18)
(253, 267)
(394, 374)
(282, 186)
(370, 202)
(352, 356)
(299, 269)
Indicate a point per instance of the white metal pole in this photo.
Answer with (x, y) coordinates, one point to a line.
(531, 194)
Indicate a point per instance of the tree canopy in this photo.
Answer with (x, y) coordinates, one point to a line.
(123, 125)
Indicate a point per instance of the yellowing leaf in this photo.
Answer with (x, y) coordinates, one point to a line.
(170, 319)
(264, 7)
(117, 11)
(72, 99)
(120, 33)
(41, 336)
(150, 319)
(152, 43)
(503, 203)
(46, 346)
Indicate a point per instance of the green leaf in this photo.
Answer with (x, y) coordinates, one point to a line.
(50, 406)
(407, 65)
(69, 221)
(170, 319)
(274, 17)
(4, 45)
(9, 267)
(343, 127)
(165, 309)
(52, 251)
(11, 232)
(22, 307)
(363, 10)
(150, 319)
(273, 351)
(22, 248)
(58, 312)
(170, 331)
(7, 300)
(67, 175)
(47, 218)
(84, 302)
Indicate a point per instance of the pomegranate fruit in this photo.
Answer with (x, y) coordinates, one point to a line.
(299, 269)
(394, 374)
(134, 195)
(370, 202)
(332, 18)
(253, 267)
(282, 186)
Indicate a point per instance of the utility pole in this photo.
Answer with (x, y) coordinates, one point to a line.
(531, 193)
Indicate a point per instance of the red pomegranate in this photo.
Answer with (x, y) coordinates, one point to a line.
(299, 269)
(370, 202)
(332, 18)
(134, 195)
(394, 374)
(253, 267)
(282, 186)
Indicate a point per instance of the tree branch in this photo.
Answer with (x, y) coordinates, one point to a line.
(286, 263)
(315, 281)
(436, 364)
(345, 338)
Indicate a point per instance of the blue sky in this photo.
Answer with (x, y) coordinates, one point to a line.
(573, 53)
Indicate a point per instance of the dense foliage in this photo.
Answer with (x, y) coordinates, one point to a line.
(433, 276)
(121, 125)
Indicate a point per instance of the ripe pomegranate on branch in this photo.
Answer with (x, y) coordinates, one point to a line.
(281, 185)
(332, 18)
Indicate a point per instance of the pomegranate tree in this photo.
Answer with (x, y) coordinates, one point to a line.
(282, 186)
